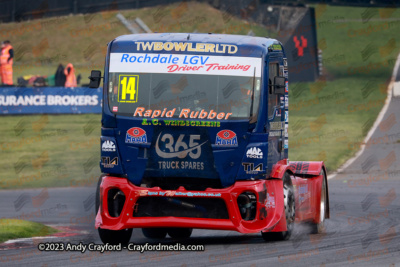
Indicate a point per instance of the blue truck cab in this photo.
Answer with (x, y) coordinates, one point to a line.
(194, 135)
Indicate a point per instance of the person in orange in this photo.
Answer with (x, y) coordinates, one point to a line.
(69, 72)
(6, 62)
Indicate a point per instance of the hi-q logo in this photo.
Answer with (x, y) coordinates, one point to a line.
(254, 153)
(108, 146)
(226, 138)
(136, 135)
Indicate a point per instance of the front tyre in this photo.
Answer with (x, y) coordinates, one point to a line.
(289, 201)
(110, 236)
(180, 233)
(154, 233)
(115, 237)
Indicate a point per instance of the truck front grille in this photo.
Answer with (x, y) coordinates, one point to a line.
(181, 207)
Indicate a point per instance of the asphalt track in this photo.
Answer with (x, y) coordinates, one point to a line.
(363, 229)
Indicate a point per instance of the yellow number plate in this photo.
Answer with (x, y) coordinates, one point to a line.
(128, 88)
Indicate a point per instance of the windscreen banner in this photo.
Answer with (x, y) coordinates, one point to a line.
(185, 64)
(50, 100)
(151, 85)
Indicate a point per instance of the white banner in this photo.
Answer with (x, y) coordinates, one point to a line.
(189, 64)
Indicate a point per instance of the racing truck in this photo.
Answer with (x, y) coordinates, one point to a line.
(195, 136)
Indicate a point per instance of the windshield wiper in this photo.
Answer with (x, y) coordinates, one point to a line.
(252, 95)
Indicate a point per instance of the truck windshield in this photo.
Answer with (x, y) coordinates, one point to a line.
(191, 95)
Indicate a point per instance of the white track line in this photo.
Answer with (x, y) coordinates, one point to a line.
(29, 239)
(393, 85)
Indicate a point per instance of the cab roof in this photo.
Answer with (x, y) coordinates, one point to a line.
(224, 44)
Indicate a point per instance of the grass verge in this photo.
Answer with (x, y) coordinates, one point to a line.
(49, 151)
(13, 229)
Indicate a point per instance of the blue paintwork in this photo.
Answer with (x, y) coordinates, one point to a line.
(220, 162)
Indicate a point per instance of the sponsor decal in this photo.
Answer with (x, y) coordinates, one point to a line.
(300, 167)
(278, 113)
(286, 145)
(270, 201)
(128, 88)
(185, 113)
(285, 65)
(181, 123)
(181, 165)
(287, 116)
(249, 168)
(106, 162)
(286, 102)
(254, 153)
(178, 154)
(226, 138)
(276, 125)
(115, 109)
(286, 85)
(303, 189)
(183, 64)
(174, 151)
(303, 193)
(186, 46)
(108, 146)
(286, 130)
(48, 100)
(274, 133)
(175, 193)
(136, 135)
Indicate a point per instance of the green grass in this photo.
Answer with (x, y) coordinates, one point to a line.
(326, 126)
(44, 151)
(13, 228)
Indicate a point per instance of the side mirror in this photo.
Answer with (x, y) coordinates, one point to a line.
(279, 85)
(95, 77)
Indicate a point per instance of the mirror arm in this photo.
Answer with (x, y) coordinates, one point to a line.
(93, 78)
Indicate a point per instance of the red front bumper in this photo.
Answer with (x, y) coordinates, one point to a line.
(270, 210)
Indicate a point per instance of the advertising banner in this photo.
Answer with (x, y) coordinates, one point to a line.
(50, 100)
(185, 64)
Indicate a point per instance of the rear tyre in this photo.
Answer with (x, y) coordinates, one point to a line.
(110, 236)
(180, 233)
(289, 200)
(154, 233)
(318, 228)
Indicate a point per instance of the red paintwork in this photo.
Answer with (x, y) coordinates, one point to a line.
(308, 182)
(307, 204)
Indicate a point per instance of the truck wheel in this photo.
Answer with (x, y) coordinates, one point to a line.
(154, 233)
(180, 233)
(289, 200)
(110, 236)
(318, 228)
